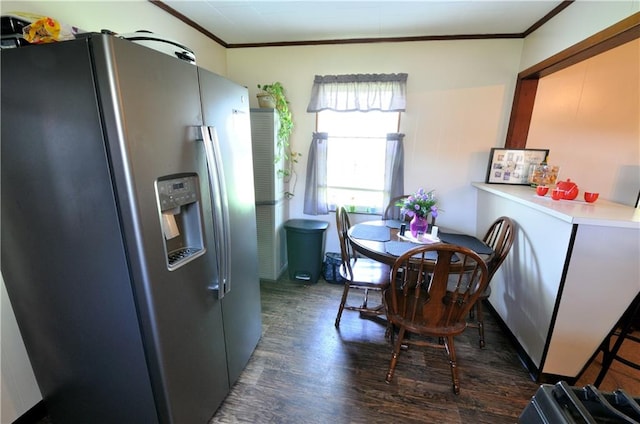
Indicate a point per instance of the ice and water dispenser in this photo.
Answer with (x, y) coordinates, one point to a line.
(179, 203)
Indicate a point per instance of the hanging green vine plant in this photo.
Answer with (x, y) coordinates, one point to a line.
(284, 154)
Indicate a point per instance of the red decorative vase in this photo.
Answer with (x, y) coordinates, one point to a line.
(418, 225)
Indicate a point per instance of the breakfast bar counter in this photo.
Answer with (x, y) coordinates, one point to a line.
(600, 213)
(571, 273)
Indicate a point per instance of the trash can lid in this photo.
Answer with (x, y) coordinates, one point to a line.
(306, 225)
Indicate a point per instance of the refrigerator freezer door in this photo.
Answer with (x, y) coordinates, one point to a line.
(226, 107)
(63, 261)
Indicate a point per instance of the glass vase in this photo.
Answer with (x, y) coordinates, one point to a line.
(418, 225)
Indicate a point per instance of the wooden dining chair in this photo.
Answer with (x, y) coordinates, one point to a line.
(393, 212)
(420, 301)
(500, 238)
(360, 273)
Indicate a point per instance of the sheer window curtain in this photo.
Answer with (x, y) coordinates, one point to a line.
(315, 192)
(394, 168)
(350, 93)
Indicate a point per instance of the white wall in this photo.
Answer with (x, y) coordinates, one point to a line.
(124, 17)
(459, 94)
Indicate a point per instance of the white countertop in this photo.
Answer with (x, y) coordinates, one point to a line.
(601, 213)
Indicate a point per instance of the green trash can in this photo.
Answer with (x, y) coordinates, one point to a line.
(305, 248)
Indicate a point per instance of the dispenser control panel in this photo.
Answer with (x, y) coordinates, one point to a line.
(177, 192)
(178, 198)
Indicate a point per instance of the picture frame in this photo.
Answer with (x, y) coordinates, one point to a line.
(512, 166)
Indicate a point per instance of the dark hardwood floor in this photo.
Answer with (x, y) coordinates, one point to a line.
(306, 371)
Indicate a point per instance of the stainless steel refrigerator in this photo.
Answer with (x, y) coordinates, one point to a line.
(128, 229)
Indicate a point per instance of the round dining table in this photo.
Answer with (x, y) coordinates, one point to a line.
(380, 240)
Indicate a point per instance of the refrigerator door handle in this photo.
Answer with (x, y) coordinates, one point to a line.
(220, 210)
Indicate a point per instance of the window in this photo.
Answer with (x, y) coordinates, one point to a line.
(356, 157)
(366, 165)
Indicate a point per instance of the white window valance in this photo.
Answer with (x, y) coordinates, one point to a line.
(359, 92)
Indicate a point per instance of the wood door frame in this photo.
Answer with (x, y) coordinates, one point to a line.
(527, 85)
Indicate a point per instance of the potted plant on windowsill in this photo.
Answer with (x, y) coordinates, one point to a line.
(273, 94)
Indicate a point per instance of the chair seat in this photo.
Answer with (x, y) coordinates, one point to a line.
(367, 273)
